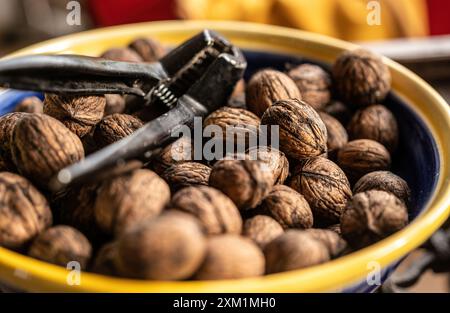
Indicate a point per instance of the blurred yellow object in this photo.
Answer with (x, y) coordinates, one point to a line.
(346, 19)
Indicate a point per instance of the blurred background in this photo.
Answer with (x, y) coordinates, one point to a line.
(415, 33)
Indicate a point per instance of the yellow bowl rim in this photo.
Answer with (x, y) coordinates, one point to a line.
(29, 274)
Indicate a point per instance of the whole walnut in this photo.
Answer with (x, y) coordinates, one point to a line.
(61, 245)
(148, 49)
(114, 127)
(178, 151)
(54, 147)
(231, 257)
(268, 86)
(246, 182)
(125, 200)
(386, 181)
(362, 156)
(371, 216)
(78, 113)
(336, 134)
(275, 160)
(339, 111)
(262, 229)
(238, 126)
(332, 240)
(30, 105)
(375, 122)
(302, 133)
(104, 260)
(7, 124)
(294, 249)
(313, 83)
(288, 207)
(122, 55)
(325, 187)
(361, 78)
(216, 212)
(24, 211)
(114, 104)
(170, 247)
(186, 174)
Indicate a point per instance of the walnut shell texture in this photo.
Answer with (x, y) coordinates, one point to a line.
(362, 156)
(268, 86)
(336, 134)
(216, 212)
(178, 151)
(288, 207)
(371, 216)
(313, 83)
(262, 229)
(114, 127)
(292, 250)
(386, 181)
(361, 78)
(148, 49)
(231, 256)
(7, 124)
(334, 243)
(375, 122)
(104, 260)
(122, 54)
(170, 247)
(24, 211)
(275, 160)
(124, 201)
(186, 174)
(302, 133)
(30, 105)
(246, 182)
(60, 245)
(42, 146)
(78, 113)
(325, 187)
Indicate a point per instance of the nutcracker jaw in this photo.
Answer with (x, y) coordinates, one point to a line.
(192, 80)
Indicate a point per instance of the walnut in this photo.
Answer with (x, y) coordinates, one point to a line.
(114, 104)
(179, 151)
(302, 132)
(334, 243)
(294, 249)
(104, 260)
(125, 200)
(275, 160)
(362, 156)
(24, 211)
(325, 187)
(386, 181)
(78, 113)
(186, 174)
(122, 55)
(7, 124)
(268, 86)
(361, 78)
(339, 111)
(288, 207)
(170, 247)
(30, 105)
(216, 212)
(375, 122)
(229, 257)
(114, 127)
(237, 125)
(336, 134)
(61, 245)
(313, 83)
(54, 147)
(148, 49)
(262, 229)
(371, 216)
(246, 182)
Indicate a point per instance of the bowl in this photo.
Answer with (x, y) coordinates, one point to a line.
(424, 120)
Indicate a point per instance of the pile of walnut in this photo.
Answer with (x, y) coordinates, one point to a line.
(327, 192)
